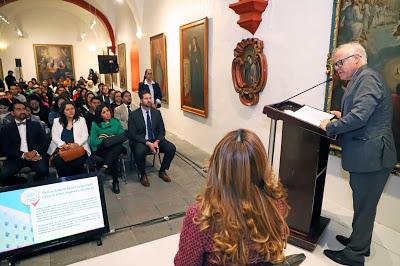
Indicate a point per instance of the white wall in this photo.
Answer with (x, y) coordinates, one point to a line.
(63, 24)
(296, 36)
(125, 32)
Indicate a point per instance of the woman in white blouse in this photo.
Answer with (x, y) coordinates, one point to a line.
(69, 131)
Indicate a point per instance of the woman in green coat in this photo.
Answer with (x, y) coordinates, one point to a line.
(105, 127)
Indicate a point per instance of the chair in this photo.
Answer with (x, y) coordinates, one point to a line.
(132, 159)
(121, 162)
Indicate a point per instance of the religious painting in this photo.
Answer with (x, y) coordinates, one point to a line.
(54, 61)
(158, 55)
(376, 25)
(249, 70)
(122, 65)
(194, 67)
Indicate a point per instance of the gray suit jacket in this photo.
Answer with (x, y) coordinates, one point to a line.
(366, 123)
(121, 113)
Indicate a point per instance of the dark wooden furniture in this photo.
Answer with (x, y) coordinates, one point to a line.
(302, 170)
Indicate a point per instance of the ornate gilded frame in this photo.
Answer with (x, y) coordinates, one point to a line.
(39, 74)
(158, 47)
(189, 31)
(249, 78)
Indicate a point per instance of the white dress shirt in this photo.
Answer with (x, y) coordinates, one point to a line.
(152, 91)
(22, 134)
(144, 112)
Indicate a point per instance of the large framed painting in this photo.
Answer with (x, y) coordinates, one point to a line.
(194, 67)
(54, 61)
(376, 25)
(158, 55)
(122, 65)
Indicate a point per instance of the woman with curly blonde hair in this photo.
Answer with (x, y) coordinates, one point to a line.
(239, 219)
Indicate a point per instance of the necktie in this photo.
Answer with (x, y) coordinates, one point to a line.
(129, 108)
(21, 123)
(149, 127)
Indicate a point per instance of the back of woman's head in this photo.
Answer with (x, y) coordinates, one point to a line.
(239, 201)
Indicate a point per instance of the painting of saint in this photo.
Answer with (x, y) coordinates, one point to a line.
(158, 55)
(375, 24)
(122, 65)
(53, 61)
(194, 76)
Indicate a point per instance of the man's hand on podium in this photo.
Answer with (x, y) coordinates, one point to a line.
(338, 114)
(324, 123)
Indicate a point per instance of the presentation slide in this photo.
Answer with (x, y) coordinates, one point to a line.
(44, 213)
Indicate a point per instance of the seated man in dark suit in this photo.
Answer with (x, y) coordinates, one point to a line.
(153, 87)
(89, 115)
(24, 144)
(147, 133)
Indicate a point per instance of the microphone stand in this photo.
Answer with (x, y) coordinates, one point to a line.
(329, 79)
(272, 130)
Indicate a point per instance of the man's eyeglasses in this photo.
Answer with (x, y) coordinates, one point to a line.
(341, 62)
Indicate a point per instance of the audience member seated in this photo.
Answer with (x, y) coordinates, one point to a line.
(105, 95)
(16, 94)
(103, 129)
(61, 91)
(147, 134)
(90, 115)
(49, 91)
(79, 97)
(153, 87)
(37, 107)
(116, 98)
(55, 111)
(5, 114)
(87, 99)
(239, 219)
(29, 89)
(69, 132)
(91, 87)
(24, 144)
(122, 112)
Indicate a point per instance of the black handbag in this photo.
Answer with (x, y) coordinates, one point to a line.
(113, 140)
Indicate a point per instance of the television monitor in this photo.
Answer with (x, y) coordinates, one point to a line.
(108, 64)
(35, 218)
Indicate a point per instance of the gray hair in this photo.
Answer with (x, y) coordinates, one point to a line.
(353, 48)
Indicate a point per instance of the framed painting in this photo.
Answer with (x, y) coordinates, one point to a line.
(122, 65)
(54, 61)
(158, 57)
(194, 67)
(376, 25)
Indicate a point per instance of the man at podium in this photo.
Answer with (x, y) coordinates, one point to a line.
(368, 150)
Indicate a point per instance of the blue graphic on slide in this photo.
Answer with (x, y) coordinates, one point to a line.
(15, 222)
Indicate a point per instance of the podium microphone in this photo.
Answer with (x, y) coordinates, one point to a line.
(329, 79)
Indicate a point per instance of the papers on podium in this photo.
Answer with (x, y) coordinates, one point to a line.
(310, 115)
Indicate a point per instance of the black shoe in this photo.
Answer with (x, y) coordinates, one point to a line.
(115, 188)
(345, 241)
(339, 257)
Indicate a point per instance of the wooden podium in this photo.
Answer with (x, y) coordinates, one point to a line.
(304, 157)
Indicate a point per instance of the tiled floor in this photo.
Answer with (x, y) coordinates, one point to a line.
(136, 204)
